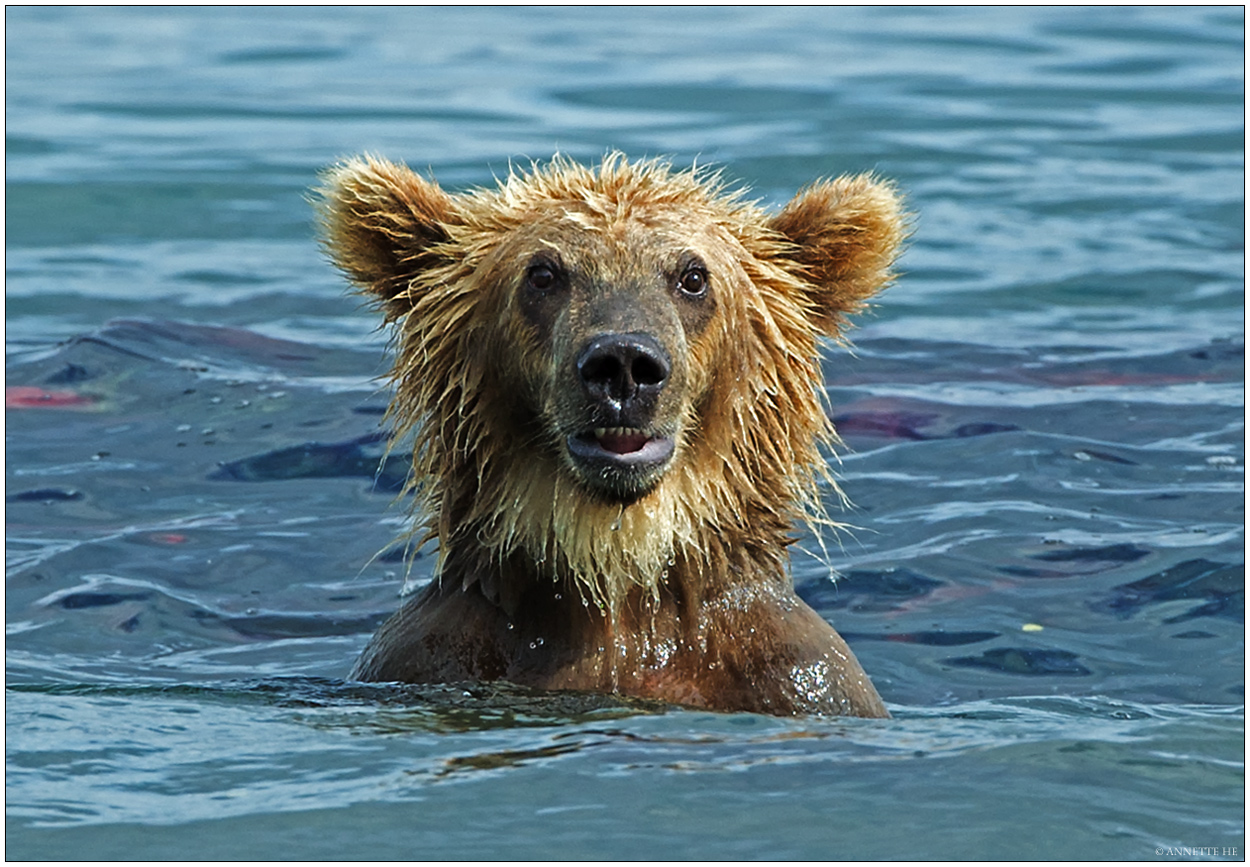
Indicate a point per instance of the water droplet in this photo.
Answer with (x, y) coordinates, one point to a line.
(538, 641)
(533, 645)
(509, 627)
(672, 561)
(559, 596)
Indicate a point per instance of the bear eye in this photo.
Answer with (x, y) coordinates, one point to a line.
(541, 277)
(693, 282)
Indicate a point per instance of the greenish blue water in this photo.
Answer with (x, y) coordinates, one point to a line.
(1044, 421)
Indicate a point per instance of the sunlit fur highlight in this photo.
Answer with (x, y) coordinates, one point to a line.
(749, 465)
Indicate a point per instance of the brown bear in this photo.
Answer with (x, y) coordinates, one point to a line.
(612, 382)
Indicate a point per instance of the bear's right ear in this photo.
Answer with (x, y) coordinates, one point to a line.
(381, 224)
(845, 235)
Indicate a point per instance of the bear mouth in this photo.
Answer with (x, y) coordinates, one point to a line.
(623, 447)
(620, 463)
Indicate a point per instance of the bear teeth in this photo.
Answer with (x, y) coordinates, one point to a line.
(601, 432)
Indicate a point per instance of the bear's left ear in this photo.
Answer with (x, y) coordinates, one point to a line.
(846, 234)
(382, 225)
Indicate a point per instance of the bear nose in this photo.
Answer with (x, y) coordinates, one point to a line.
(622, 367)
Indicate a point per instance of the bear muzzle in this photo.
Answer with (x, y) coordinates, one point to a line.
(622, 378)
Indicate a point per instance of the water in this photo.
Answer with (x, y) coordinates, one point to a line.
(1044, 421)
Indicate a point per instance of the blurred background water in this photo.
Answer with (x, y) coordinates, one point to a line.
(1044, 422)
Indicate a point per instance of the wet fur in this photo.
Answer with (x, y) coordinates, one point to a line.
(683, 594)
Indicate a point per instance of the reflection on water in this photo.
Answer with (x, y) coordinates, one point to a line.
(333, 745)
(1044, 424)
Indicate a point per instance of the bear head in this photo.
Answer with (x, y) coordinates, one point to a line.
(607, 370)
